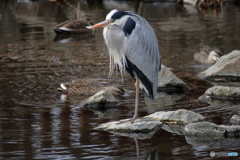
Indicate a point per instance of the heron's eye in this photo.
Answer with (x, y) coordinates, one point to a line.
(113, 20)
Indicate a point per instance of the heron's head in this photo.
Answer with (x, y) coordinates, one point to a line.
(112, 18)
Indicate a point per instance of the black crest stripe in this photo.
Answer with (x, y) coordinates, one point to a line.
(119, 14)
(129, 26)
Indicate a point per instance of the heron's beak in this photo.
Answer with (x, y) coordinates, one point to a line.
(101, 24)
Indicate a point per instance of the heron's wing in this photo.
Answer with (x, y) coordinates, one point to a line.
(142, 50)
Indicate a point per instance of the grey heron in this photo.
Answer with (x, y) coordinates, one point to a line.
(208, 55)
(132, 46)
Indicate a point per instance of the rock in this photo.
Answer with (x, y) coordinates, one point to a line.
(142, 125)
(216, 103)
(207, 129)
(181, 116)
(170, 82)
(100, 98)
(221, 92)
(173, 128)
(235, 120)
(203, 140)
(152, 122)
(227, 67)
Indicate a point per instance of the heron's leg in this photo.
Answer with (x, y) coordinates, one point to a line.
(135, 116)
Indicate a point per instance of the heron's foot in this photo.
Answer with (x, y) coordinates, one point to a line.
(129, 120)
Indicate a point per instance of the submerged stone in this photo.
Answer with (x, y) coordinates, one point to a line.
(193, 140)
(222, 92)
(235, 119)
(207, 129)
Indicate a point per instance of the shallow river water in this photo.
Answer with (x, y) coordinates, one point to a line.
(35, 123)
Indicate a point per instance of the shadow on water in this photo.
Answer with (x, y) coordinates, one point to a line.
(36, 124)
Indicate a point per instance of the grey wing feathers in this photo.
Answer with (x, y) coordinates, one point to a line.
(114, 39)
(142, 50)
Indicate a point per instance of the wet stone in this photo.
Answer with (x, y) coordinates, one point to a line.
(181, 116)
(222, 92)
(174, 128)
(153, 122)
(203, 140)
(170, 82)
(235, 119)
(142, 125)
(226, 67)
(207, 129)
(100, 98)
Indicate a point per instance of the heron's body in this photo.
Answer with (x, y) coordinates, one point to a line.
(208, 55)
(130, 50)
(133, 47)
(88, 87)
(74, 26)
